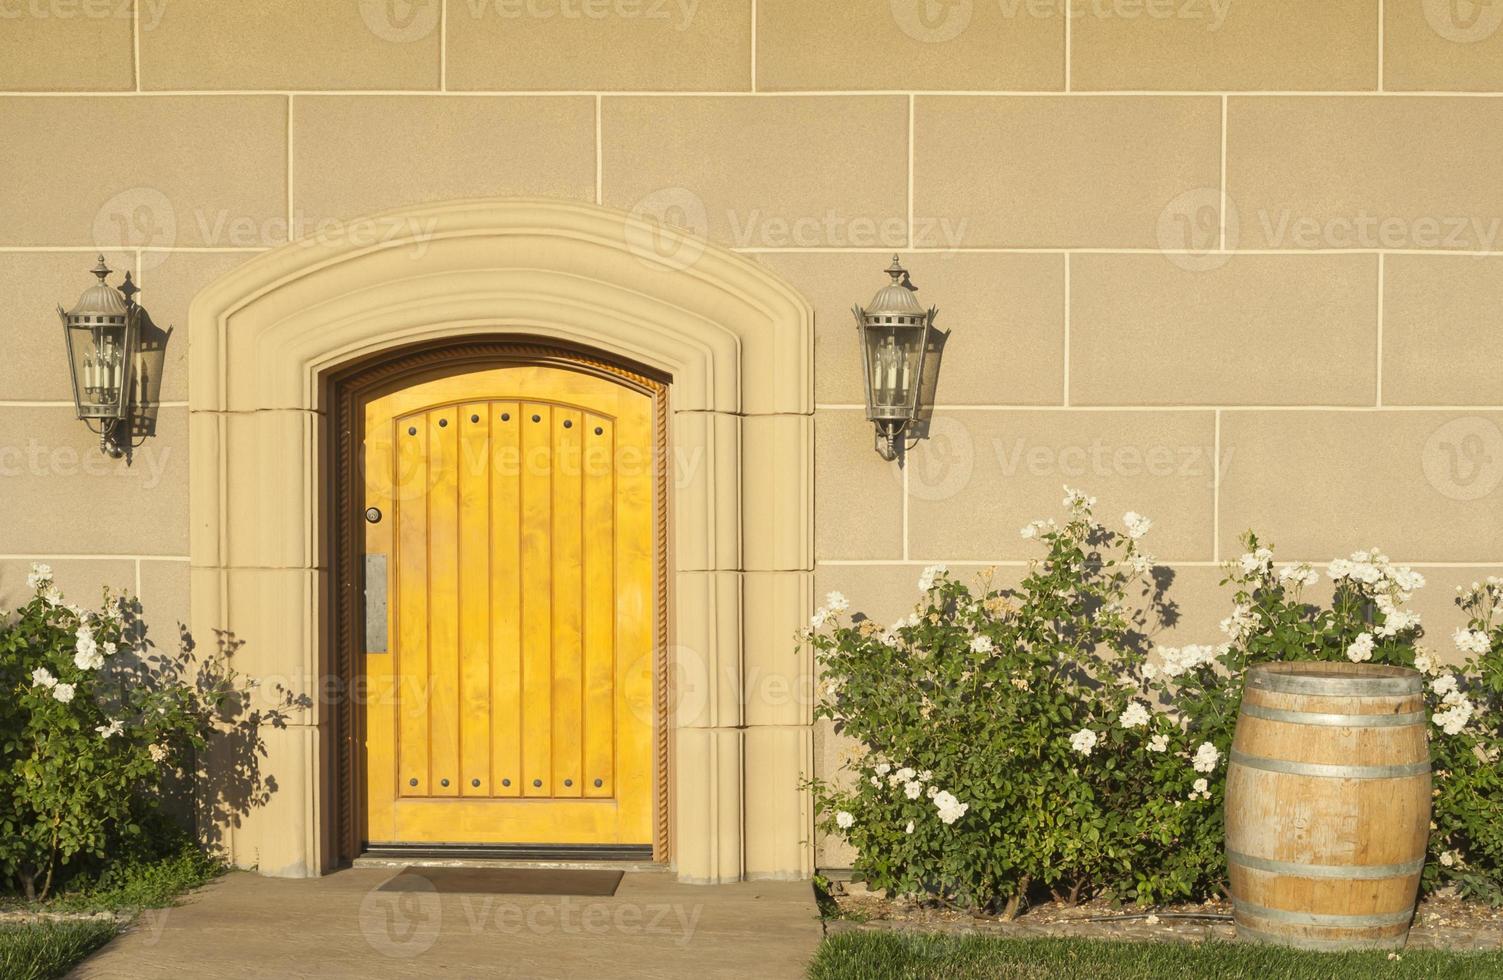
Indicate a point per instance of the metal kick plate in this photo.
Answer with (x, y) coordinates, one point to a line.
(375, 603)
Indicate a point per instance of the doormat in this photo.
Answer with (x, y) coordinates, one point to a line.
(505, 881)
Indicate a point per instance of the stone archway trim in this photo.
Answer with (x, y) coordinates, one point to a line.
(737, 343)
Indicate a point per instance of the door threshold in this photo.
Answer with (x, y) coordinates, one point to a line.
(563, 857)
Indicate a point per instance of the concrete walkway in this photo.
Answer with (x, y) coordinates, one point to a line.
(246, 926)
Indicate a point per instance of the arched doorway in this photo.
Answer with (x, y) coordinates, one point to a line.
(500, 506)
(269, 346)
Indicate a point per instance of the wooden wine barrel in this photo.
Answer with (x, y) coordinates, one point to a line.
(1328, 805)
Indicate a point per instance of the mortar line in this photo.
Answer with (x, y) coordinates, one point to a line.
(754, 28)
(764, 94)
(135, 39)
(1312, 407)
(911, 111)
(290, 218)
(1216, 493)
(1069, 46)
(1221, 205)
(1381, 44)
(1378, 367)
(599, 151)
(1066, 393)
(443, 45)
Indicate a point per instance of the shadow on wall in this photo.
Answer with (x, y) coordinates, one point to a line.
(226, 781)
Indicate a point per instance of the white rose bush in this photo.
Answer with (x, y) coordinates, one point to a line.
(87, 739)
(1013, 743)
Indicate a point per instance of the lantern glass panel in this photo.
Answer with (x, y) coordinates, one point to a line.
(894, 364)
(99, 348)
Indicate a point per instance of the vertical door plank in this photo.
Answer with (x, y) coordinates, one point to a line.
(474, 600)
(636, 612)
(380, 681)
(536, 422)
(568, 586)
(599, 606)
(412, 606)
(506, 599)
(443, 600)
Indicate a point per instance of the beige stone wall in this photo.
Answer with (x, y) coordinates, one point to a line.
(1230, 263)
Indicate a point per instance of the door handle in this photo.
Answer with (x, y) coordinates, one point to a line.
(375, 604)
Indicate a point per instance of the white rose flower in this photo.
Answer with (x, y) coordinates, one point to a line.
(1159, 743)
(950, 809)
(981, 644)
(1202, 786)
(1135, 715)
(1361, 649)
(1471, 641)
(926, 580)
(1137, 525)
(819, 617)
(844, 820)
(1206, 757)
(1448, 859)
(63, 692)
(1423, 663)
(883, 768)
(40, 576)
(836, 602)
(158, 753)
(909, 828)
(904, 773)
(1077, 500)
(42, 677)
(1084, 741)
(913, 790)
(1444, 684)
(111, 730)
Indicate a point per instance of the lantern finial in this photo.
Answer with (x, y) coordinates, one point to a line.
(103, 271)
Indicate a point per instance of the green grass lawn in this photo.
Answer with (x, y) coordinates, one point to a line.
(896, 956)
(46, 950)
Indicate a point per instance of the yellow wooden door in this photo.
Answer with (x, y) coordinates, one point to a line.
(513, 512)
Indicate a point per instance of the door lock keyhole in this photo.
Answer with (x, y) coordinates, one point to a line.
(373, 515)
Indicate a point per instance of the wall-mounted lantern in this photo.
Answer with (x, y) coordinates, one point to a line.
(102, 331)
(894, 334)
